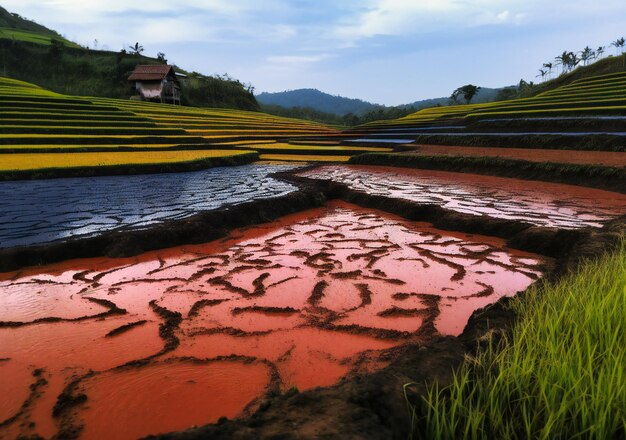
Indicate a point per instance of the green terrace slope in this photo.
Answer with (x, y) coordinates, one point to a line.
(589, 113)
(35, 120)
(33, 37)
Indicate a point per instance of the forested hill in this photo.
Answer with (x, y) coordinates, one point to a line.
(33, 53)
(340, 106)
(317, 100)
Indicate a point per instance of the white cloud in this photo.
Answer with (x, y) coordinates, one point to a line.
(399, 17)
(296, 59)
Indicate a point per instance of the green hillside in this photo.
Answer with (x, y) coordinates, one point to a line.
(33, 53)
(14, 21)
(588, 96)
(611, 64)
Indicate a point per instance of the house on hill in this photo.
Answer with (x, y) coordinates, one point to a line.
(156, 83)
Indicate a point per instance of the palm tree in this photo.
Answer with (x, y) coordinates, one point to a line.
(619, 45)
(600, 51)
(136, 49)
(548, 66)
(586, 55)
(542, 73)
(564, 60)
(573, 61)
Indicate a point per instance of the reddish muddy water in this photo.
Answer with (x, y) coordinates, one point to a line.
(538, 203)
(299, 302)
(607, 158)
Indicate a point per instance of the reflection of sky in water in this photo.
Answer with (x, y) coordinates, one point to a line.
(539, 203)
(41, 211)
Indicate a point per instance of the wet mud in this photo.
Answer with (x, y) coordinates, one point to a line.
(607, 158)
(206, 331)
(538, 203)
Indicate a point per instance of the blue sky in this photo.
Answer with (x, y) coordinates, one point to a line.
(384, 51)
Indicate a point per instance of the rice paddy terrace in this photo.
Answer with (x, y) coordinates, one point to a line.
(115, 132)
(587, 114)
(279, 299)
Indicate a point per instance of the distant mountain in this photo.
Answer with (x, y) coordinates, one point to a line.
(341, 106)
(320, 101)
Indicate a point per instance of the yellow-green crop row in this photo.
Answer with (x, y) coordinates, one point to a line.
(606, 93)
(313, 148)
(304, 158)
(34, 119)
(87, 136)
(616, 108)
(32, 37)
(37, 161)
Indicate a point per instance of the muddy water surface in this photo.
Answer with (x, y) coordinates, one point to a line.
(183, 336)
(539, 203)
(42, 211)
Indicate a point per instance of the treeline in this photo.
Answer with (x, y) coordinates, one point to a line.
(218, 91)
(349, 120)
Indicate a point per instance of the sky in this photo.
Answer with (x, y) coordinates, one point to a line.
(384, 51)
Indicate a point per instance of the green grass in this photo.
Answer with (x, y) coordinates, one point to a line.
(32, 37)
(560, 375)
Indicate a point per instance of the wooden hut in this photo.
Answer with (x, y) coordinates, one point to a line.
(156, 83)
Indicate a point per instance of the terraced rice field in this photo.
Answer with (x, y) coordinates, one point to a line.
(32, 37)
(585, 115)
(38, 211)
(299, 302)
(606, 158)
(43, 161)
(321, 293)
(539, 203)
(304, 157)
(35, 120)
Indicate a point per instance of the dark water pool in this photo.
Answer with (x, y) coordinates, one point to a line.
(42, 211)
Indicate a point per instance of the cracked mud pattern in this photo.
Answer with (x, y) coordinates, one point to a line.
(538, 203)
(121, 348)
(42, 211)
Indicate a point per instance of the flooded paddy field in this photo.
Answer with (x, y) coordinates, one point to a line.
(122, 348)
(606, 158)
(43, 211)
(538, 203)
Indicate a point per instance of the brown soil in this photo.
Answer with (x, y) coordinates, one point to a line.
(613, 159)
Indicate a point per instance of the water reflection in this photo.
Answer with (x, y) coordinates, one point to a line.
(34, 212)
